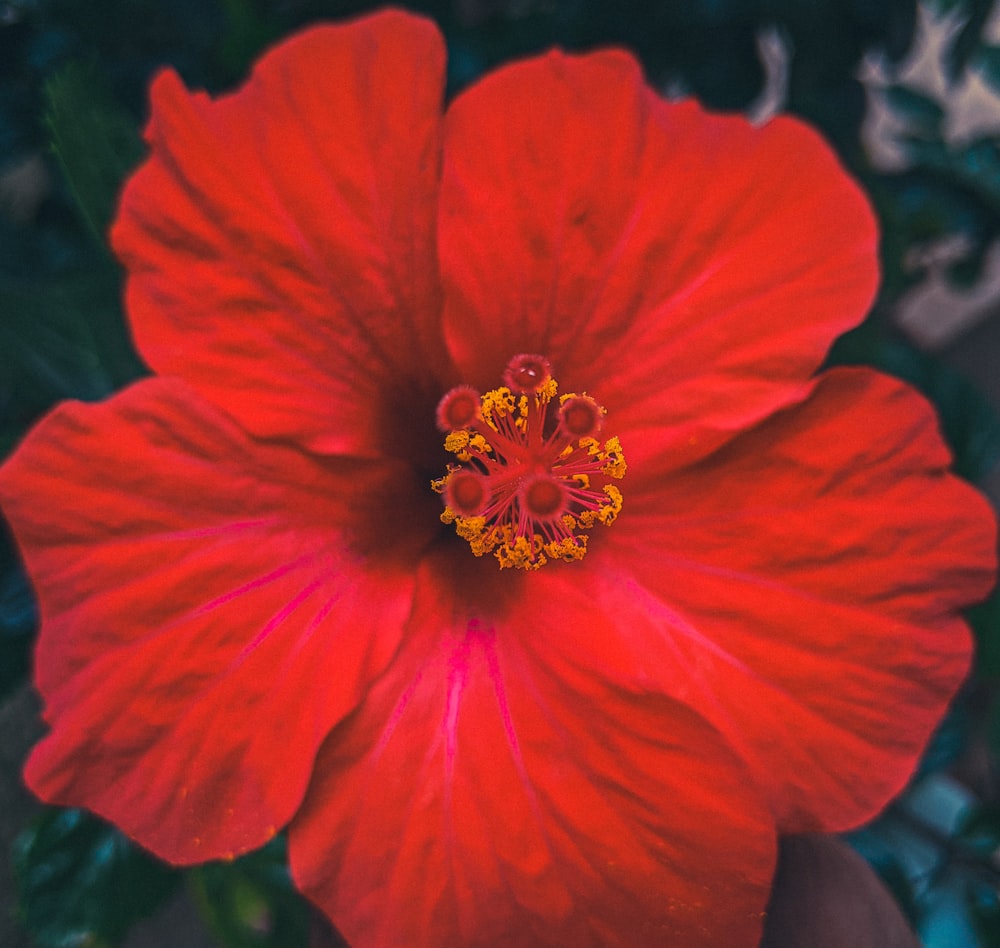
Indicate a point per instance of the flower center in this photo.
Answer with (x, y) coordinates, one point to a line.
(531, 474)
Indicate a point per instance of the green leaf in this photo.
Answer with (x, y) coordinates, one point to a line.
(249, 28)
(949, 740)
(984, 909)
(920, 112)
(18, 617)
(980, 831)
(967, 271)
(65, 339)
(82, 883)
(988, 61)
(973, 167)
(251, 902)
(95, 141)
(964, 46)
(985, 622)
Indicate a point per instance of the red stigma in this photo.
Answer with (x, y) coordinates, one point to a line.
(458, 409)
(580, 416)
(466, 493)
(543, 497)
(527, 373)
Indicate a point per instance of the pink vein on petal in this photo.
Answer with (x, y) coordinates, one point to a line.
(458, 668)
(396, 716)
(257, 583)
(682, 626)
(507, 721)
(313, 624)
(275, 621)
(496, 677)
(222, 529)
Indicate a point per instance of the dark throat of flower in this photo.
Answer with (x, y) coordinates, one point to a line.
(532, 475)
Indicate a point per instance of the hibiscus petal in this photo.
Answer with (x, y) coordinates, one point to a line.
(689, 269)
(801, 587)
(279, 240)
(484, 794)
(211, 607)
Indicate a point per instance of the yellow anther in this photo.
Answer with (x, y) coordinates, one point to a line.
(520, 554)
(608, 513)
(499, 401)
(470, 528)
(456, 441)
(614, 459)
(567, 550)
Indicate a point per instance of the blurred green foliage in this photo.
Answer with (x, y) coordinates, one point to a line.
(82, 883)
(73, 79)
(251, 903)
(93, 139)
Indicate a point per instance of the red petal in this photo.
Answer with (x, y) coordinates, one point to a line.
(211, 607)
(801, 588)
(689, 269)
(486, 794)
(280, 239)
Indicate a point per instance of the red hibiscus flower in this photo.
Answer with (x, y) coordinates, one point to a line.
(253, 617)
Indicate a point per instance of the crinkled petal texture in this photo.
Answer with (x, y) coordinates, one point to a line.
(490, 791)
(281, 238)
(211, 607)
(252, 617)
(801, 589)
(793, 554)
(689, 269)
